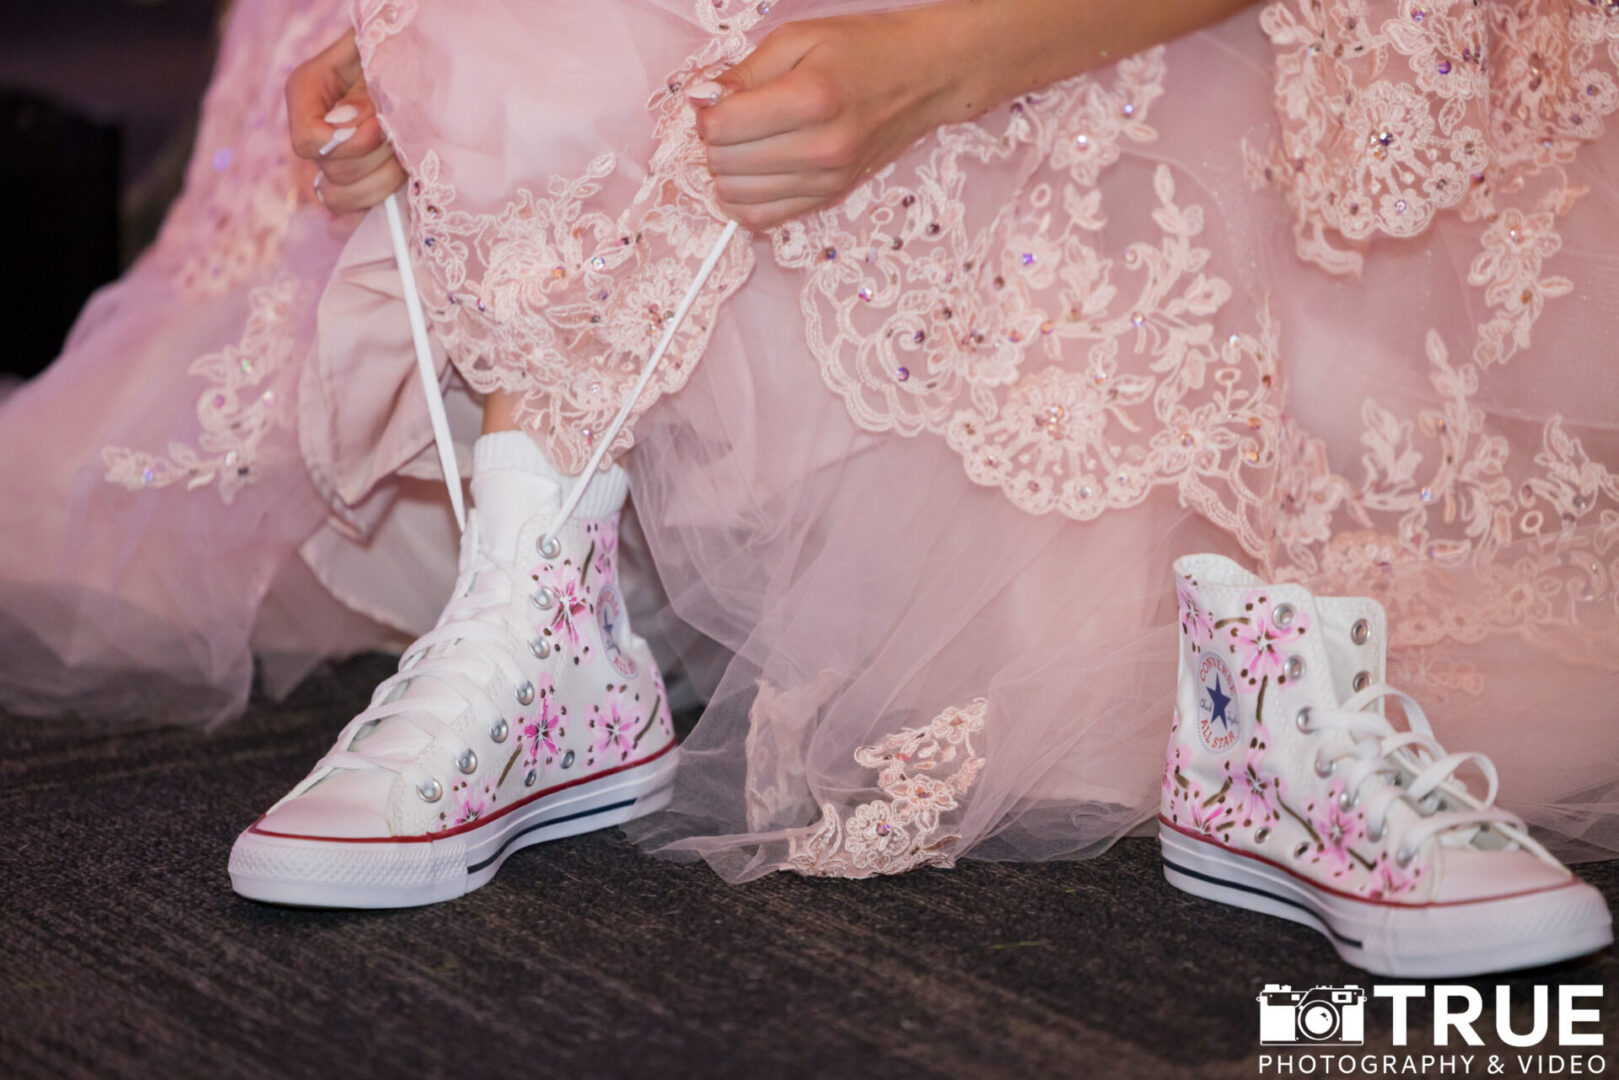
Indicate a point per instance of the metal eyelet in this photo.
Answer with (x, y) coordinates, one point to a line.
(431, 791)
(1360, 631)
(1346, 801)
(540, 648)
(567, 760)
(1361, 681)
(1301, 850)
(1324, 769)
(1404, 857)
(1282, 615)
(1260, 834)
(1375, 835)
(467, 762)
(500, 730)
(549, 546)
(525, 694)
(530, 777)
(1302, 721)
(545, 599)
(1295, 668)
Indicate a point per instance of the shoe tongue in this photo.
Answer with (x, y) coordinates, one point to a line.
(506, 500)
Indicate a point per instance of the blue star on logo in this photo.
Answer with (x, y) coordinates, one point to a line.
(1220, 701)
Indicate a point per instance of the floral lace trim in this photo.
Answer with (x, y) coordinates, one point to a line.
(244, 184)
(236, 411)
(905, 830)
(560, 302)
(1395, 110)
(923, 324)
(376, 21)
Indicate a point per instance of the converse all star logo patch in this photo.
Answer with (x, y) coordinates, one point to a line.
(610, 614)
(1219, 718)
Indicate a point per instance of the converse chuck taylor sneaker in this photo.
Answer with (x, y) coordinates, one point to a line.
(1288, 790)
(530, 713)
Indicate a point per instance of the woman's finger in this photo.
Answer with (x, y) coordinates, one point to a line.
(796, 100)
(766, 215)
(347, 170)
(756, 190)
(365, 192)
(314, 88)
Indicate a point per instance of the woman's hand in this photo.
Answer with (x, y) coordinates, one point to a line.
(820, 105)
(334, 124)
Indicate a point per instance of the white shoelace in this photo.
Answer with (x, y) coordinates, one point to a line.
(1380, 749)
(478, 619)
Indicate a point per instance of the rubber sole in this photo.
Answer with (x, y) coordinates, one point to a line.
(1404, 941)
(308, 872)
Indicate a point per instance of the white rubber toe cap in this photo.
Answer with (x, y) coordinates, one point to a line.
(1470, 874)
(345, 806)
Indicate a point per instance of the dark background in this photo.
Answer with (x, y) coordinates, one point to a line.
(98, 106)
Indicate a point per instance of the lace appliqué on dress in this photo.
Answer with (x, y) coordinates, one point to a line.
(1074, 378)
(905, 829)
(237, 410)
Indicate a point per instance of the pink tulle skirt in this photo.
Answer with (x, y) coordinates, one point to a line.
(866, 546)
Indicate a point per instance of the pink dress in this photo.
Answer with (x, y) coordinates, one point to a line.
(1325, 288)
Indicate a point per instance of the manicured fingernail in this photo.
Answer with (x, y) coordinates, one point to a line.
(704, 93)
(342, 115)
(339, 137)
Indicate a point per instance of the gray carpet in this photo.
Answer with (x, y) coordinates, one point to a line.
(124, 952)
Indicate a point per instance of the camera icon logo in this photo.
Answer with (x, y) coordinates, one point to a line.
(1319, 1016)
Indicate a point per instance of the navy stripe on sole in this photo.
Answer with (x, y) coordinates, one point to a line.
(475, 867)
(1325, 927)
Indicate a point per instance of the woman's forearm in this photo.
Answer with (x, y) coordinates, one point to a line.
(999, 49)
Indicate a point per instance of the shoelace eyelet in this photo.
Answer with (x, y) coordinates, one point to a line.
(548, 546)
(1302, 720)
(500, 730)
(467, 762)
(540, 648)
(1360, 631)
(1361, 681)
(1347, 802)
(1324, 769)
(1295, 668)
(1404, 857)
(545, 599)
(525, 694)
(431, 791)
(1377, 834)
(1282, 615)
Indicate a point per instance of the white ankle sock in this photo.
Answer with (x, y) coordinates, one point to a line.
(512, 450)
(517, 452)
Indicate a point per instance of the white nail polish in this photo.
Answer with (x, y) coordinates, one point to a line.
(704, 93)
(339, 137)
(342, 115)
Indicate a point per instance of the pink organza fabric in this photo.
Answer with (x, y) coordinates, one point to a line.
(1325, 288)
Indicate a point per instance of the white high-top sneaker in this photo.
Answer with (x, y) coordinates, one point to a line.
(1288, 791)
(530, 713)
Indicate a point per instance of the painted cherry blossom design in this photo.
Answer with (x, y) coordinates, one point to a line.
(1255, 793)
(542, 731)
(1260, 644)
(1196, 622)
(1389, 879)
(471, 803)
(1338, 829)
(615, 721)
(572, 600)
(1210, 817)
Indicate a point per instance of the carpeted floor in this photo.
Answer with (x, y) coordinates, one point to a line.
(124, 952)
